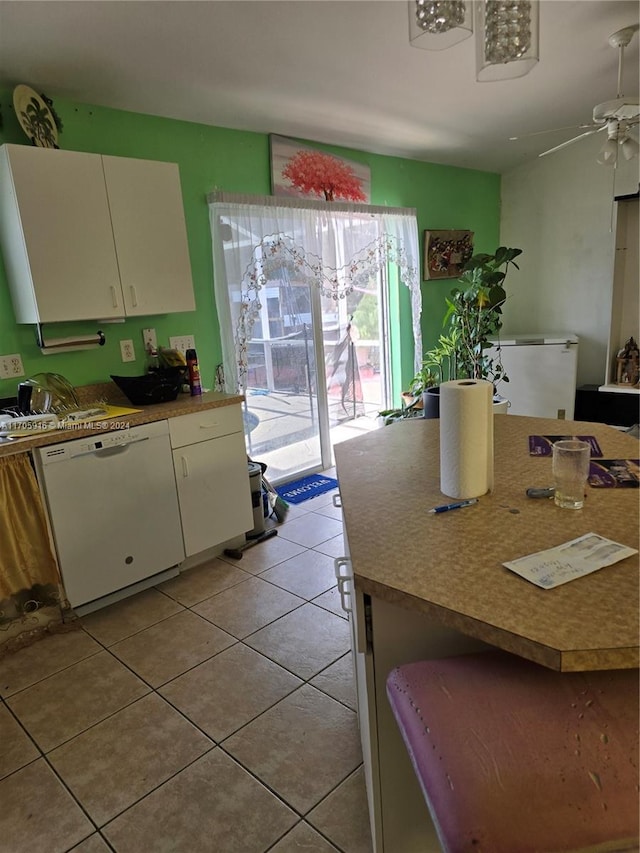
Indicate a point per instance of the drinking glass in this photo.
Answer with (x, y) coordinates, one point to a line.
(570, 466)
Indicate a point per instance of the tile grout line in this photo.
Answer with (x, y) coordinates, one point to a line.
(214, 744)
(152, 689)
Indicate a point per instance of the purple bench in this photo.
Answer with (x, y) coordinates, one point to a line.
(516, 758)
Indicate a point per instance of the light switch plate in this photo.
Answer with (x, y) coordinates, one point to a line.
(182, 343)
(149, 339)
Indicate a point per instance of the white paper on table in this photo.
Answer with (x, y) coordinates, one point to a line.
(572, 560)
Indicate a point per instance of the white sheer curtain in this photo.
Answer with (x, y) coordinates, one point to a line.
(331, 246)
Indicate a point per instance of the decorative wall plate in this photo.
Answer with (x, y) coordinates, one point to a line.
(35, 117)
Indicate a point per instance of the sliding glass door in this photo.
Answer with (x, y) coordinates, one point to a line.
(301, 292)
(355, 340)
(282, 412)
(317, 372)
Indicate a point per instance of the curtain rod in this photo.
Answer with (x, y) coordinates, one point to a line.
(305, 204)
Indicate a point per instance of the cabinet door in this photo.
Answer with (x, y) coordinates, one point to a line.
(399, 636)
(213, 491)
(147, 217)
(56, 236)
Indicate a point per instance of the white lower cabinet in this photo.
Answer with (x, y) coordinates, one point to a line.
(212, 478)
(400, 636)
(384, 636)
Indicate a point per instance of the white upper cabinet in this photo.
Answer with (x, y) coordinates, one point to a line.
(88, 238)
(150, 235)
(57, 242)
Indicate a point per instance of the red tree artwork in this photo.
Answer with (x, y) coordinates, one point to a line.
(313, 172)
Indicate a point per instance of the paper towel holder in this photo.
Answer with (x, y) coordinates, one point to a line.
(76, 342)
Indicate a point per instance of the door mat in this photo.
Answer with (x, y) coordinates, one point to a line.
(308, 487)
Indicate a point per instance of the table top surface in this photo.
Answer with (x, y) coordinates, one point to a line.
(449, 565)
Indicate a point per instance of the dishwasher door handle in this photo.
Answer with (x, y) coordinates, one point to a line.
(104, 452)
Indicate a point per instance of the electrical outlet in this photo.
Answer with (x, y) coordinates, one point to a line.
(149, 339)
(182, 343)
(11, 366)
(127, 351)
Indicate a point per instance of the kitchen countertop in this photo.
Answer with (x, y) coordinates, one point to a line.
(449, 566)
(109, 393)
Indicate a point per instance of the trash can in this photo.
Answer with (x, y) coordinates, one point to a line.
(255, 483)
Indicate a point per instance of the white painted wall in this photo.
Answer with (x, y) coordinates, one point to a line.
(558, 210)
(625, 313)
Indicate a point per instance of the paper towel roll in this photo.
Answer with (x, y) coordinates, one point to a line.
(466, 438)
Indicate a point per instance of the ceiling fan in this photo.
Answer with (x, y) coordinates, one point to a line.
(618, 116)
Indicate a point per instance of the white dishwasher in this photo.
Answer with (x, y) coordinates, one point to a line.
(114, 514)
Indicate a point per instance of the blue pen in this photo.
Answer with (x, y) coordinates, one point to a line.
(458, 505)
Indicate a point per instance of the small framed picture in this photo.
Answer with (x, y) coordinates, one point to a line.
(446, 253)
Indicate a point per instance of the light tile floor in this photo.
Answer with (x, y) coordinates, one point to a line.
(214, 713)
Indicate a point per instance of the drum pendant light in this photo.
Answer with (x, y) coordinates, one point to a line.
(437, 25)
(506, 38)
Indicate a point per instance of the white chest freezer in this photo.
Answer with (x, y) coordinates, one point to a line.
(542, 370)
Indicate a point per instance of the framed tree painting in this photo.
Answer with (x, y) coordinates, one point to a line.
(446, 253)
(302, 171)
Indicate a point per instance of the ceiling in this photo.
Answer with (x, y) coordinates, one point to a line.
(333, 71)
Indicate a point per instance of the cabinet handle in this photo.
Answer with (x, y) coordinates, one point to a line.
(185, 466)
(134, 296)
(209, 426)
(114, 296)
(344, 579)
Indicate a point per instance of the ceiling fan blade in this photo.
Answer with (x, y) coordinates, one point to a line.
(551, 130)
(571, 141)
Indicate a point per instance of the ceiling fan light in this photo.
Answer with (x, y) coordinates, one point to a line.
(439, 24)
(506, 38)
(630, 148)
(608, 153)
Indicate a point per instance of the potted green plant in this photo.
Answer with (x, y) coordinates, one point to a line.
(474, 312)
(473, 317)
(438, 365)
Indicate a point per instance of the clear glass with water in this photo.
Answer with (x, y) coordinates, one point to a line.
(570, 466)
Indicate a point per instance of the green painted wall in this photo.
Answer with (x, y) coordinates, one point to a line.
(236, 161)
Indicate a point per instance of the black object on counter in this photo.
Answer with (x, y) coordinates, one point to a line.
(161, 386)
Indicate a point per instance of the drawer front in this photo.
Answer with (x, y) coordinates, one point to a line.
(201, 426)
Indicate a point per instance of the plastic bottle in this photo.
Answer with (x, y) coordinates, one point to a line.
(195, 385)
(153, 360)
